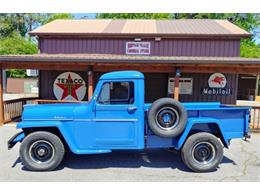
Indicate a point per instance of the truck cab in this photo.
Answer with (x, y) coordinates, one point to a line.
(115, 114)
(117, 118)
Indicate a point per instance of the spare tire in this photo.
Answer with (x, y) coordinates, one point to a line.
(167, 117)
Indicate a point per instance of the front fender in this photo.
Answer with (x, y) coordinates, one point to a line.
(61, 126)
(192, 121)
(15, 139)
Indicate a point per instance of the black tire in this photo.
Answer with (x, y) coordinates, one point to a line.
(202, 152)
(41, 151)
(177, 117)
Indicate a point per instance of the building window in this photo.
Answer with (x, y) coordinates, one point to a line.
(117, 93)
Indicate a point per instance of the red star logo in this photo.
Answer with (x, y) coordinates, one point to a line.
(69, 88)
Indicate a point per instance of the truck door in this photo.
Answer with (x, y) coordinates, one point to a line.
(118, 116)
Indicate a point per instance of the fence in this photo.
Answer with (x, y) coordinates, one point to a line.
(13, 108)
(255, 118)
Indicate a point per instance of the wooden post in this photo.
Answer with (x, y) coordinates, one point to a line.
(257, 85)
(1, 98)
(177, 84)
(90, 84)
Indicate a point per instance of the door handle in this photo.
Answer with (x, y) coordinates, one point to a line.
(131, 109)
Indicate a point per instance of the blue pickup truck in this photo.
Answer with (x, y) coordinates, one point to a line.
(117, 118)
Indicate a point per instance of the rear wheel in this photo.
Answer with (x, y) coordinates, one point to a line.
(202, 152)
(41, 151)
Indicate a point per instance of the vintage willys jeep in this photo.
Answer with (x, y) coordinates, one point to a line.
(117, 118)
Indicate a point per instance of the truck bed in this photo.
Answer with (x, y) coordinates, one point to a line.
(225, 121)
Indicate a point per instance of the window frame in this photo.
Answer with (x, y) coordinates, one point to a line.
(118, 100)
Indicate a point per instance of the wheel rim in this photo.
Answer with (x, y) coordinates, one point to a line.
(203, 153)
(41, 151)
(167, 118)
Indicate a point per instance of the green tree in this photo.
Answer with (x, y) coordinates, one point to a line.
(249, 49)
(16, 44)
(135, 15)
(52, 17)
(21, 23)
(14, 37)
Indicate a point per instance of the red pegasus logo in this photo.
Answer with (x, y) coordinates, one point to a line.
(218, 80)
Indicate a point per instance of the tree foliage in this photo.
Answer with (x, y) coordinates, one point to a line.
(52, 17)
(21, 23)
(135, 15)
(249, 49)
(16, 44)
(14, 37)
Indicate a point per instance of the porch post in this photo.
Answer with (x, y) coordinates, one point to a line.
(90, 84)
(257, 85)
(1, 98)
(177, 84)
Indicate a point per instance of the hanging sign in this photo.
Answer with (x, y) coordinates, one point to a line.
(138, 48)
(69, 86)
(217, 85)
(185, 85)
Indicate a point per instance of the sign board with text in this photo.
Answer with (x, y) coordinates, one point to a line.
(138, 48)
(217, 85)
(186, 85)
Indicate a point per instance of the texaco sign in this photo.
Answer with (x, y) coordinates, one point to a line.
(69, 86)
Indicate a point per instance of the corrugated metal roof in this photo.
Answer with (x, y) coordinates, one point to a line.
(102, 27)
(109, 58)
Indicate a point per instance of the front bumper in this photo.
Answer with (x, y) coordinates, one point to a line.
(16, 138)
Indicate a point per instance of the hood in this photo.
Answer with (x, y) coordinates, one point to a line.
(49, 111)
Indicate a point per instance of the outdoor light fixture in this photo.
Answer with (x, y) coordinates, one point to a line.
(158, 38)
(138, 39)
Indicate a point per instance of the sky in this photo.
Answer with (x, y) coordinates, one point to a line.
(81, 15)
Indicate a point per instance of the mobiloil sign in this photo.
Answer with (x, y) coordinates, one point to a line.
(217, 85)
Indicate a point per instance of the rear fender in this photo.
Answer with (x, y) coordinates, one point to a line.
(61, 126)
(192, 121)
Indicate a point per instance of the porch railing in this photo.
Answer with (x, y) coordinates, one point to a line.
(13, 108)
(255, 118)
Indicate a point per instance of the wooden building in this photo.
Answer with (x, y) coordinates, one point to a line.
(192, 60)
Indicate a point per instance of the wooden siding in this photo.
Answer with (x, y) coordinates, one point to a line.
(156, 85)
(165, 47)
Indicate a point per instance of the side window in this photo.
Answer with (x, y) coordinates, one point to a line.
(117, 93)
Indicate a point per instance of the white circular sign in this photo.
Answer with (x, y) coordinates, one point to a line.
(69, 86)
(217, 80)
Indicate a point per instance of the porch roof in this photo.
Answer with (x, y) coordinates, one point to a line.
(111, 58)
(109, 62)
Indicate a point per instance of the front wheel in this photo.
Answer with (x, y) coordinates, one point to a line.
(41, 151)
(202, 152)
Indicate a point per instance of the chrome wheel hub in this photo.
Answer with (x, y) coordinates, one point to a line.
(203, 152)
(41, 151)
(167, 118)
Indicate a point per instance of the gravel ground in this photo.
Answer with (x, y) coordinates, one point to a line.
(241, 163)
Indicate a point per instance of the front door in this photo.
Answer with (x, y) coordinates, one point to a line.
(116, 116)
